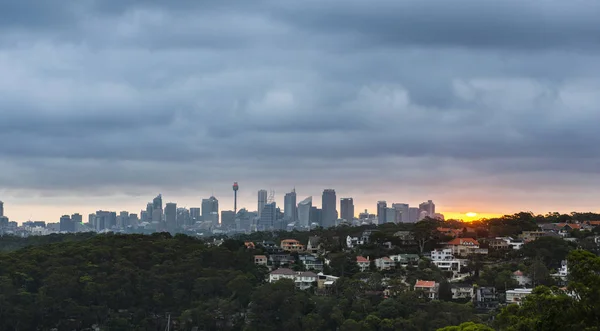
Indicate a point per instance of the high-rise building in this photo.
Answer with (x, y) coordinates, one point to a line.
(170, 223)
(66, 224)
(262, 200)
(403, 210)
(428, 207)
(209, 206)
(268, 216)
(381, 211)
(1, 208)
(316, 215)
(236, 187)
(133, 220)
(148, 217)
(92, 220)
(413, 213)
(329, 211)
(123, 219)
(195, 215)
(183, 217)
(347, 209)
(157, 202)
(391, 215)
(304, 208)
(77, 220)
(228, 219)
(289, 207)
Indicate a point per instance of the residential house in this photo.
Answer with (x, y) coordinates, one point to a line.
(385, 263)
(325, 281)
(260, 260)
(352, 242)
(593, 224)
(521, 278)
(363, 263)
(366, 236)
(428, 288)
(564, 229)
(449, 232)
(442, 254)
(448, 265)
(278, 260)
(465, 246)
(405, 259)
(310, 262)
(528, 236)
(249, 245)
(302, 279)
(314, 245)
(563, 272)
(498, 243)
(292, 245)
(485, 298)
(461, 291)
(517, 295)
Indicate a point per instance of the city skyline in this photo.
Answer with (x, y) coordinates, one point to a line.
(483, 107)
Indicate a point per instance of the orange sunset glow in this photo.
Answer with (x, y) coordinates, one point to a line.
(468, 216)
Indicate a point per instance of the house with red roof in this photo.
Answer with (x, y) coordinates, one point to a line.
(449, 232)
(465, 246)
(428, 288)
(363, 263)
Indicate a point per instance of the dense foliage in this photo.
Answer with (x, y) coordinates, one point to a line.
(132, 282)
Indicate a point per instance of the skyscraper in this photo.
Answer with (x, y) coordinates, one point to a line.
(304, 208)
(183, 217)
(157, 202)
(403, 210)
(328, 205)
(316, 215)
(428, 207)
(391, 215)
(413, 213)
(227, 219)
(66, 224)
(148, 217)
(170, 224)
(289, 207)
(1, 208)
(195, 215)
(77, 220)
(381, 211)
(123, 219)
(347, 209)
(262, 200)
(157, 209)
(209, 206)
(268, 216)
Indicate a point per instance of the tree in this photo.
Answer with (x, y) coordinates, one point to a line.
(467, 326)
(425, 231)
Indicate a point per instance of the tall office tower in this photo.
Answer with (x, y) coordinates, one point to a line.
(157, 202)
(102, 220)
(123, 220)
(77, 220)
(195, 215)
(170, 223)
(381, 210)
(304, 208)
(148, 213)
(391, 215)
(1, 208)
(92, 220)
(183, 217)
(236, 187)
(404, 212)
(268, 216)
(66, 224)
(316, 215)
(428, 207)
(328, 205)
(347, 209)
(228, 219)
(133, 220)
(262, 200)
(209, 206)
(413, 213)
(157, 209)
(289, 207)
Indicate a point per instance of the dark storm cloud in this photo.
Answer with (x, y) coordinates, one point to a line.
(108, 94)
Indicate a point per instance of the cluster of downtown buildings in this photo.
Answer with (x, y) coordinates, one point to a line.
(207, 219)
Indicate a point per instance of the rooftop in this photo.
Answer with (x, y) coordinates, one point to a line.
(425, 283)
(283, 271)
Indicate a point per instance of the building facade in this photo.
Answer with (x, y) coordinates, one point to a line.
(347, 209)
(329, 212)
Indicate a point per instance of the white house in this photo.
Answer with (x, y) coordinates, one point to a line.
(302, 279)
(352, 242)
(442, 255)
(429, 288)
(520, 277)
(448, 265)
(385, 263)
(363, 263)
(517, 295)
(462, 291)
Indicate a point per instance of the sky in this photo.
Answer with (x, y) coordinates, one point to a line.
(482, 106)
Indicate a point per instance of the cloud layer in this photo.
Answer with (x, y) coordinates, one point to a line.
(492, 104)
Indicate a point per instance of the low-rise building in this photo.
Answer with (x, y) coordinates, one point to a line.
(465, 247)
(429, 288)
(363, 263)
(405, 259)
(385, 263)
(292, 245)
(461, 291)
(261, 260)
(448, 265)
(325, 281)
(310, 262)
(314, 245)
(517, 295)
(442, 255)
(521, 278)
(302, 279)
(528, 236)
(352, 242)
(281, 260)
(485, 298)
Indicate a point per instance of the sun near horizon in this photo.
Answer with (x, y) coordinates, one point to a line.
(469, 216)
